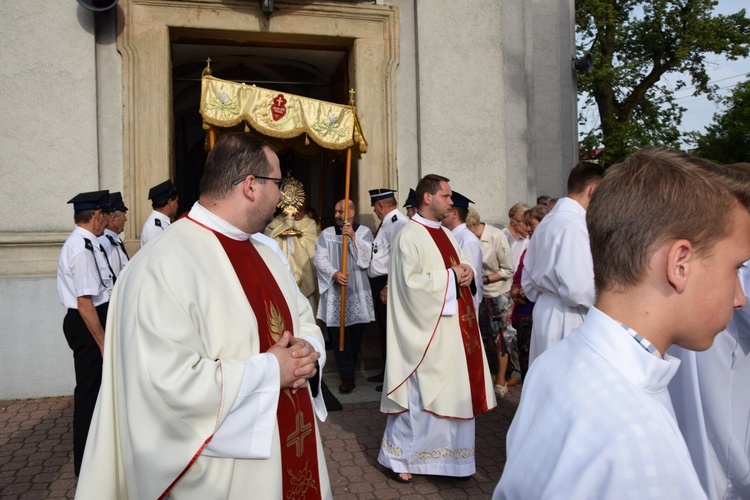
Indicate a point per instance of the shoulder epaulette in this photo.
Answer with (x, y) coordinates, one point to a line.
(394, 218)
(88, 244)
(157, 222)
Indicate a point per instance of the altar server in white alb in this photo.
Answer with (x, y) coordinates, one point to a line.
(468, 241)
(110, 240)
(557, 273)
(359, 309)
(436, 374)
(712, 401)
(210, 369)
(595, 418)
(164, 204)
(84, 284)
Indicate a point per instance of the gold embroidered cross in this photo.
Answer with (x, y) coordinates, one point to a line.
(468, 316)
(297, 438)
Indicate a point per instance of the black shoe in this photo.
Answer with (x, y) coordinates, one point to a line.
(346, 386)
(376, 378)
(379, 388)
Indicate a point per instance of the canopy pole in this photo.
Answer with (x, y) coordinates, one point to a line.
(345, 250)
(211, 136)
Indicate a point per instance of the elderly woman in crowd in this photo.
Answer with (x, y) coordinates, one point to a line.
(521, 316)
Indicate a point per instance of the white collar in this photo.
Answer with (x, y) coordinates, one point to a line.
(390, 214)
(434, 224)
(459, 228)
(209, 219)
(607, 337)
(85, 232)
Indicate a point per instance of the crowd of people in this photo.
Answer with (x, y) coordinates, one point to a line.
(198, 362)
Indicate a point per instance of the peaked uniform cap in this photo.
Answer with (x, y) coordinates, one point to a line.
(380, 194)
(116, 203)
(411, 200)
(90, 200)
(459, 200)
(162, 191)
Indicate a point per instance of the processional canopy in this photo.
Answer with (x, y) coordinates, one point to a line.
(280, 115)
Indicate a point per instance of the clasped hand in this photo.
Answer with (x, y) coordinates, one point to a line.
(296, 359)
(464, 274)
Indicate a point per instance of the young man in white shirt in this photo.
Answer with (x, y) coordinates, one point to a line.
(595, 419)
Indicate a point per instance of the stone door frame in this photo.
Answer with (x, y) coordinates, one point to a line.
(146, 29)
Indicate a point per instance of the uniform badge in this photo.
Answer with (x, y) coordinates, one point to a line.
(394, 218)
(157, 222)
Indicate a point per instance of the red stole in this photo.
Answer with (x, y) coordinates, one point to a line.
(294, 414)
(472, 340)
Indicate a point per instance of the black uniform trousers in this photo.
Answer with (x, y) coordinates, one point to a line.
(88, 368)
(346, 360)
(376, 285)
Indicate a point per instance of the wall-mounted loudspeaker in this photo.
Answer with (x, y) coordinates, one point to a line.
(97, 5)
(582, 64)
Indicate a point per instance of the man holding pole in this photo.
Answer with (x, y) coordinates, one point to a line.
(358, 310)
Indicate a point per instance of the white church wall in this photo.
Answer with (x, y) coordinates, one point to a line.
(35, 360)
(48, 153)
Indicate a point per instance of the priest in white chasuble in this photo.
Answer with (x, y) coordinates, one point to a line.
(211, 360)
(436, 374)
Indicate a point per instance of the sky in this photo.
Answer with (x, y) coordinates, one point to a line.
(724, 73)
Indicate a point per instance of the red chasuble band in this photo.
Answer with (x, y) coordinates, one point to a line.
(295, 415)
(472, 340)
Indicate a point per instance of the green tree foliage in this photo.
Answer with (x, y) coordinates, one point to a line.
(727, 139)
(635, 43)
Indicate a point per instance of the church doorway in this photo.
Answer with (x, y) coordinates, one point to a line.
(318, 72)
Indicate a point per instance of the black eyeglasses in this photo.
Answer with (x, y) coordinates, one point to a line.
(276, 180)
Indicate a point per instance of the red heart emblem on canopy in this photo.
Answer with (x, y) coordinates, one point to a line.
(278, 109)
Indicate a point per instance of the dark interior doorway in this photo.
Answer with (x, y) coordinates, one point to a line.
(320, 73)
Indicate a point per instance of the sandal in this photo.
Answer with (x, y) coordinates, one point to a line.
(501, 390)
(397, 476)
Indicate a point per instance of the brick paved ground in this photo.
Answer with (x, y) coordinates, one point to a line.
(36, 458)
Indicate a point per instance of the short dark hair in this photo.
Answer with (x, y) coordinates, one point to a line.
(541, 198)
(583, 175)
(430, 183)
(163, 203)
(462, 213)
(84, 216)
(233, 156)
